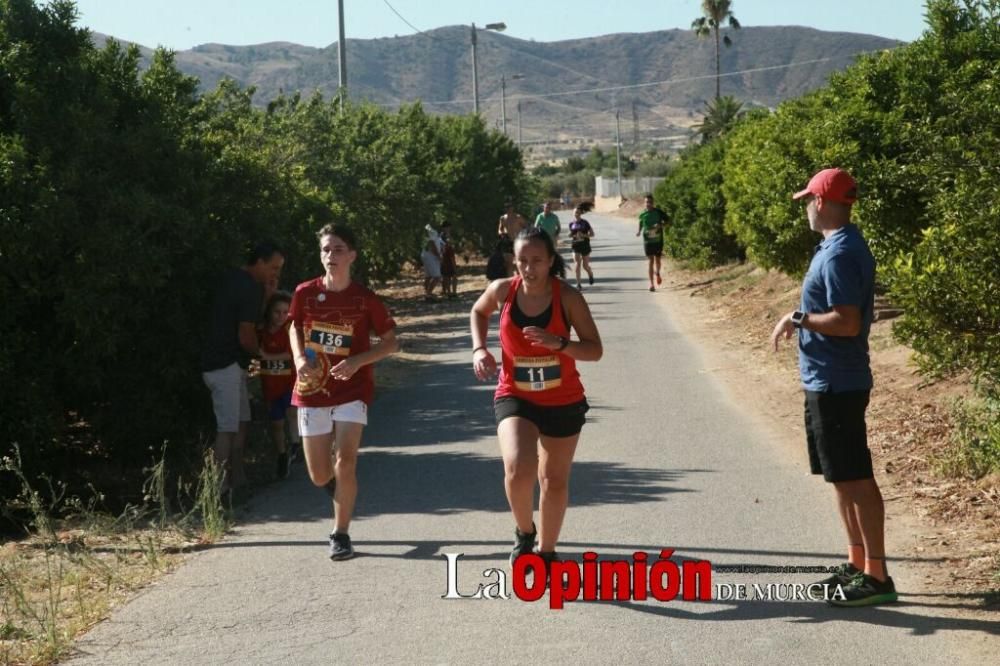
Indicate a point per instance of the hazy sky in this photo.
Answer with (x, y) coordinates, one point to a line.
(181, 24)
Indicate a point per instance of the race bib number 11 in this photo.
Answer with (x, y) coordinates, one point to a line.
(537, 373)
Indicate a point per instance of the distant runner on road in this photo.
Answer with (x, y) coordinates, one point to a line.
(651, 223)
(548, 222)
(510, 225)
(539, 397)
(581, 232)
(332, 319)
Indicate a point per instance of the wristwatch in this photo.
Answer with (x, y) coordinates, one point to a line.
(798, 318)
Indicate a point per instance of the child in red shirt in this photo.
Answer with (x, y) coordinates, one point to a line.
(277, 375)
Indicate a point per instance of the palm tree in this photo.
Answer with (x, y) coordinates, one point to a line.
(715, 12)
(721, 114)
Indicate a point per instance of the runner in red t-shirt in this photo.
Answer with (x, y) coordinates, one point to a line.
(277, 374)
(539, 397)
(332, 320)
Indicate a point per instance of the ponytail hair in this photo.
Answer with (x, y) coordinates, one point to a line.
(529, 234)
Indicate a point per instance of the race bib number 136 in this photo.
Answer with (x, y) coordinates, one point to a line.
(332, 338)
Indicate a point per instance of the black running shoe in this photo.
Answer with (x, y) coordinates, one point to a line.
(524, 543)
(340, 546)
(842, 575)
(283, 464)
(591, 279)
(865, 590)
(548, 559)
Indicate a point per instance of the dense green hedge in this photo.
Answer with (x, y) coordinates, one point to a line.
(692, 197)
(123, 194)
(917, 126)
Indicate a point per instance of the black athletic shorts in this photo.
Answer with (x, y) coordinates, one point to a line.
(836, 435)
(582, 247)
(505, 245)
(653, 249)
(560, 421)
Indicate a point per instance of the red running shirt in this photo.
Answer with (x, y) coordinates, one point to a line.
(541, 376)
(277, 372)
(337, 325)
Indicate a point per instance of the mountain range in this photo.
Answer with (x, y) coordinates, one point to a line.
(664, 77)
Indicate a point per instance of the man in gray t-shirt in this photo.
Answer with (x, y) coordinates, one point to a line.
(549, 222)
(230, 343)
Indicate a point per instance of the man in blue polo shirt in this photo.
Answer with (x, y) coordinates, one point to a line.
(833, 322)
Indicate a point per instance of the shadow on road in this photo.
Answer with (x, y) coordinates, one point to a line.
(900, 615)
(444, 483)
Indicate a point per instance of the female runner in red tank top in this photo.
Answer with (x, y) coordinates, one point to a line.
(539, 398)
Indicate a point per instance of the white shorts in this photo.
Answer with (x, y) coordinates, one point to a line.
(315, 421)
(432, 264)
(230, 399)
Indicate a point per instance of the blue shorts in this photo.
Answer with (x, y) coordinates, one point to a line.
(277, 408)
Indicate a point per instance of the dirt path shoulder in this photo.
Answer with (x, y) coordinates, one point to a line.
(952, 526)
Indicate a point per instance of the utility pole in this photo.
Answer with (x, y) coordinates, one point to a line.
(519, 124)
(475, 74)
(499, 27)
(503, 104)
(635, 125)
(618, 146)
(342, 58)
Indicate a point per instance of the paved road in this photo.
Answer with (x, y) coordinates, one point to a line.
(666, 461)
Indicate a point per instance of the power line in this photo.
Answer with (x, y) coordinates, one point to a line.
(663, 82)
(403, 19)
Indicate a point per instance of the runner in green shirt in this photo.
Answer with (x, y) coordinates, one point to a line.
(651, 223)
(549, 222)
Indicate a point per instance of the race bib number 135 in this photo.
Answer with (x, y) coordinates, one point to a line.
(275, 367)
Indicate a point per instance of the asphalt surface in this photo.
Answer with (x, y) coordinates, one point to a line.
(666, 460)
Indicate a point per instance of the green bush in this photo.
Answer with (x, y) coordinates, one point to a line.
(949, 283)
(917, 128)
(124, 196)
(691, 196)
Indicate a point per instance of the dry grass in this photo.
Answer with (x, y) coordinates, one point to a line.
(68, 576)
(52, 592)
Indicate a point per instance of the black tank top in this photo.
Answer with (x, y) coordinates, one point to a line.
(542, 320)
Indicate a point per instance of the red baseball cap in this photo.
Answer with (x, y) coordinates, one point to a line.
(833, 185)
